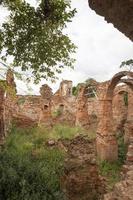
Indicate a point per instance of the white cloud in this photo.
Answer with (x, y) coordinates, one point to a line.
(101, 47)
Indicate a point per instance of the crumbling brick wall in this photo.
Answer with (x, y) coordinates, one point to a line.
(52, 108)
(61, 107)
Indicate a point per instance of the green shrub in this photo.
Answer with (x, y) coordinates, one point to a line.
(28, 169)
(75, 89)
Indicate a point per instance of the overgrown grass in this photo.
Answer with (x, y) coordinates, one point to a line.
(111, 171)
(57, 132)
(28, 169)
(91, 134)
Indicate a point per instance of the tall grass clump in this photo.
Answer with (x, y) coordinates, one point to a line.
(59, 131)
(111, 171)
(64, 132)
(29, 170)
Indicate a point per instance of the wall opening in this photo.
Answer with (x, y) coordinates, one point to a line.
(45, 107)
(61, 108)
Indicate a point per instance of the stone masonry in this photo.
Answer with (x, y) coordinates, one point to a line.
(62, 107)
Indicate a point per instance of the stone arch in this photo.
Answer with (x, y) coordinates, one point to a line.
(117, 78)
(128, 82)
(107, 148)
(121, 91)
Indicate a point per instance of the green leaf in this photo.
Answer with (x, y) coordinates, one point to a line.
(35, 38)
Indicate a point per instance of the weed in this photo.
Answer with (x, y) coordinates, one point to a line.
(57, 113)
(28, 169)
(122, 149)
(111, 171)
(57, 132)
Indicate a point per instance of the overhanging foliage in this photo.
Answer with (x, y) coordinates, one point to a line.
(35, 38)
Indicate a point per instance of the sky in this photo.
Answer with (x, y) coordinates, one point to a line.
(101, 48)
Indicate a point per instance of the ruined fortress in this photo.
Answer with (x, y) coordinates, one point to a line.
(106, 107)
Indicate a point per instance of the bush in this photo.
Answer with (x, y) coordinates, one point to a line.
(28, 169)
(75, 89)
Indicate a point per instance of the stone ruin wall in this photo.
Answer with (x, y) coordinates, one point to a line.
(93, 106)
(61, 107)
(36, 108)
(47, 108)
(7, 103)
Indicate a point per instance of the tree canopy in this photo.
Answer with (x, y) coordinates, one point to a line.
(35, 39)
(128, 64)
